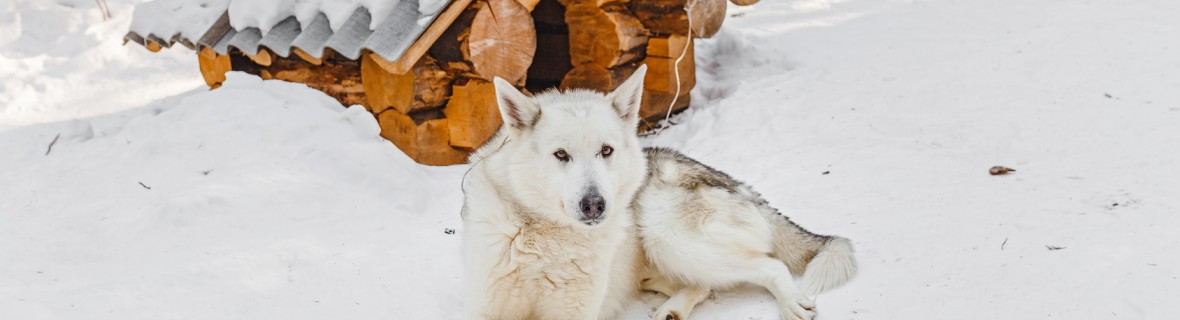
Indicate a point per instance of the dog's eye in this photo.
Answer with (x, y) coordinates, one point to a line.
(606, 151)
(562, 155)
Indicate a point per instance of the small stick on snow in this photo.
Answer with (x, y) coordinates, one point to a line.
(1053, 248)
(1003, 244)
(51, 143)
(998, 170)
(144, 185)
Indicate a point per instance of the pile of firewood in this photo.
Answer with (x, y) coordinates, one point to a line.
(442, 106)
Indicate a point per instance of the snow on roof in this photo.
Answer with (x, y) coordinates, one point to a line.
(170, 21)
(386, 27)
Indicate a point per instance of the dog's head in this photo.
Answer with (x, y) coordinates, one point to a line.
(573, 156)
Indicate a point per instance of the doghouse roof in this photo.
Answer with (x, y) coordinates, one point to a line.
(207, 24)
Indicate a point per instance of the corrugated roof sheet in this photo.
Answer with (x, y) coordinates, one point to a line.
(390, 39)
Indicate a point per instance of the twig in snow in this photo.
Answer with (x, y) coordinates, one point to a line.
(998, 170)
(1003, 244)
(144, 185)
(51, 143)
(1053, 248)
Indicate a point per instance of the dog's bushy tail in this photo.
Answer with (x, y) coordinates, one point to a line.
(832, 266)
(824, 262)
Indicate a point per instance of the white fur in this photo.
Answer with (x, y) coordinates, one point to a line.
(526, 253)
(700, 237)
(530, 253)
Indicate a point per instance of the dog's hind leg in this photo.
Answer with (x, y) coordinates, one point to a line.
(776, 277)
(681, 303)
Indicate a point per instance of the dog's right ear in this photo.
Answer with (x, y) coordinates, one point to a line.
(519, 111)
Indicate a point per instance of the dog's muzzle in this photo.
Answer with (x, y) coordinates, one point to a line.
(593, 207)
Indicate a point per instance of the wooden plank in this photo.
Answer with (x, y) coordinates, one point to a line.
(418, 48)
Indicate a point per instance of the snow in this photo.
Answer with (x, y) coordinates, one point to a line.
(192, 18)
(264, 14)
(165, 18)
(874, 120)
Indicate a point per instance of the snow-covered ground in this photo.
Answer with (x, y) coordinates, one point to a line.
(873, 119)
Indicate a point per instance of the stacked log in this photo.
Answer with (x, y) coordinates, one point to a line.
(669, 17)
(492, 38)
(609, 39)
(664, 75)
(444, 107)
(441, 105)
(213, 66)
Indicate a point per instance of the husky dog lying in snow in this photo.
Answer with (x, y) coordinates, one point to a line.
(567, 217)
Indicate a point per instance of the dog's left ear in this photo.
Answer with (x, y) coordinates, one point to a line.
(628, 97)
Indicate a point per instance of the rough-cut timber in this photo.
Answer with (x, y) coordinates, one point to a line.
(213, 67)
(609, 36)
(424, 86)
(660, 83)
(596, 77)
(310, 58)
(426, 141)
(668, 46)
(451, 45)
(493, 38)
(263, 58)
(435, 101)
(502, 41)
(472, 114)
(744, 2)
(666, 17)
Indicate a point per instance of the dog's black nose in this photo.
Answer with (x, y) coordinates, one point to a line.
(593, 206)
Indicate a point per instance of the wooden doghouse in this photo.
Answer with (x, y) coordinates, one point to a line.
(425, 76)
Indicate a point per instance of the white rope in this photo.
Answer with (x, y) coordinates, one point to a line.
(676, 65)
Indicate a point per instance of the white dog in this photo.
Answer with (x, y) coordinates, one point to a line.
(566, 217)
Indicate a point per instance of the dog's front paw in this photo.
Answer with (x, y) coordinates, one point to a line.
(799, 308)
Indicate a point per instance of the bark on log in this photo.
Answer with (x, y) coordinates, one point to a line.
(668, 17)
(608, 36)
(449, 50)
(424, 86)
(338, 77)
(426, 142)
(472, 114)
(744, 2)
(213, 67)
